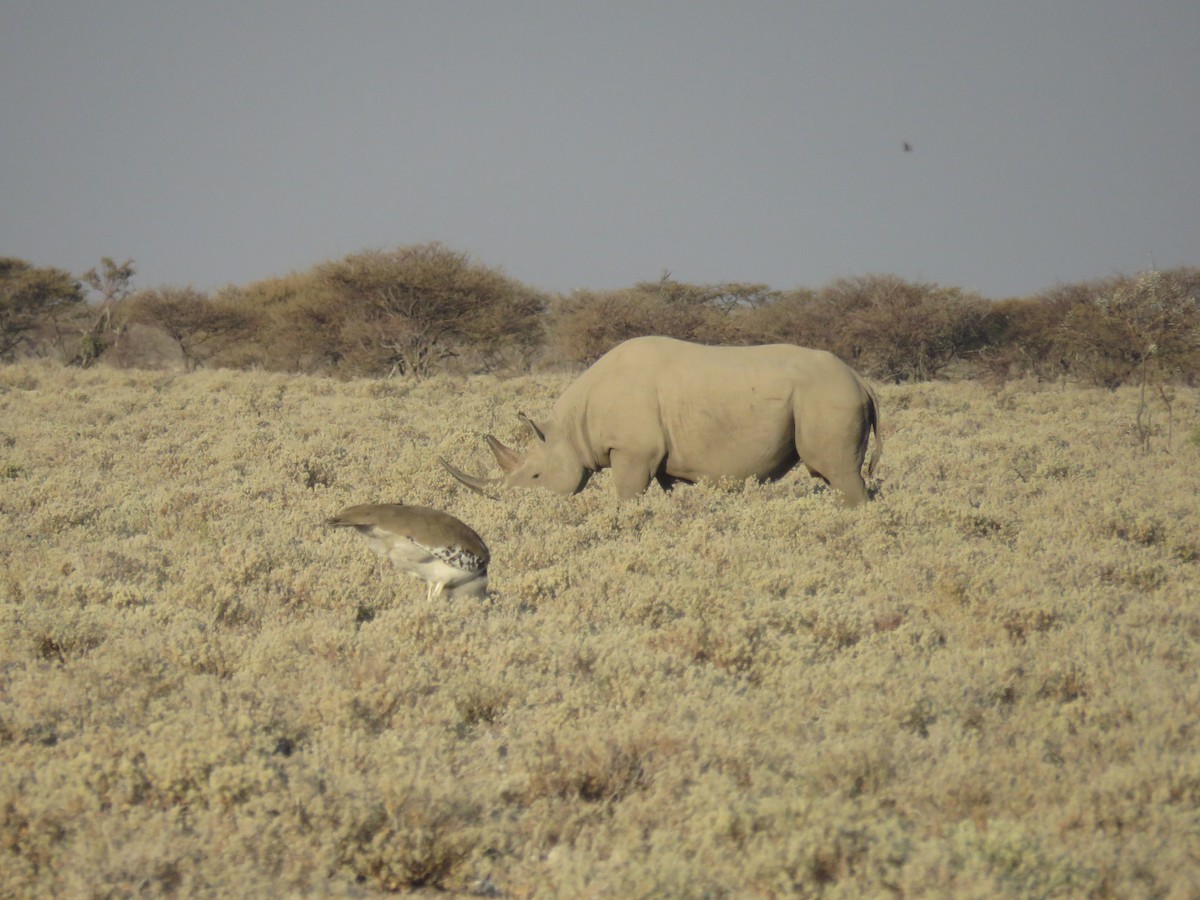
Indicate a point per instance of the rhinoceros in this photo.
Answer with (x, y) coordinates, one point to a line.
(656, 408)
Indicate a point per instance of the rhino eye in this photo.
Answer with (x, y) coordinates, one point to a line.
(537, 475)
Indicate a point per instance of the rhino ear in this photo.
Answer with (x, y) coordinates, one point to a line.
(532, 426)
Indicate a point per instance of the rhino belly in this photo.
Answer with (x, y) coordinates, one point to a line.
(740, 451)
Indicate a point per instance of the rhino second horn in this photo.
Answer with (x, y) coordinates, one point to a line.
(507, 459)
(474, 482)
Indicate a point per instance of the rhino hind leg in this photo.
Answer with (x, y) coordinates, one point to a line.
(852, 486)
(832, 448)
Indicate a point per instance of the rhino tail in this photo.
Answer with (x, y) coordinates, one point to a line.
(874, 413)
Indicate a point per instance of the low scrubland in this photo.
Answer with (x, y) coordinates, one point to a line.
(981, 684)
(427, 309)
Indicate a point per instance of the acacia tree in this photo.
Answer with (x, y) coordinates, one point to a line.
(724, 297)
(410, 309)
(113, 282)
(198, 326)
(30, 296)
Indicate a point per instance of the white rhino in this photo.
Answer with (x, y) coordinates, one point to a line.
(658, 408)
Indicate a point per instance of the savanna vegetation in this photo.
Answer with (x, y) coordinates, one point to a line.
(982, 684)
(417, 310)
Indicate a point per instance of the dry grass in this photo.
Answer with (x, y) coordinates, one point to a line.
(982, 684)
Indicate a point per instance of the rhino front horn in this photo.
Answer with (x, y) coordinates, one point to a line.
(474, 482)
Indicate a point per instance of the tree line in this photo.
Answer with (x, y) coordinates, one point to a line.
(415, 310)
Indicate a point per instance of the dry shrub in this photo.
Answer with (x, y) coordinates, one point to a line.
(1022, 339)
(576, 766)
(407, 831)
(1111, 331)
(302, 324)
(587, 324)
(898, 330)
(788, 317)
(981, 684)
(1026, 337)
(1144, 330)
(412, 310)
(884, 326)
(33, 301)
(138, 346)
(201, 328)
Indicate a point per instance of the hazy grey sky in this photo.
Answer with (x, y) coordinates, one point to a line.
(595, 144)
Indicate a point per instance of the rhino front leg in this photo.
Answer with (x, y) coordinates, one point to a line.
(631, 473)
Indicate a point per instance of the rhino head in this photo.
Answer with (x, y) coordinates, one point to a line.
(548, 463)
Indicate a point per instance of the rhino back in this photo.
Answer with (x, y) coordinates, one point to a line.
(710, 411)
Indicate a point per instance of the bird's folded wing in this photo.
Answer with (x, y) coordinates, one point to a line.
(404, 551)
